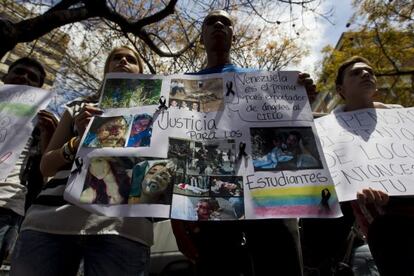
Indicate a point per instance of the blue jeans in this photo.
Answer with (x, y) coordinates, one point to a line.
(9, 226)
(38, 253)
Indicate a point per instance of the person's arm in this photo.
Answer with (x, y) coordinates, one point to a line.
(305, 80)
(183, 232)
(47, 124)
(54, 160)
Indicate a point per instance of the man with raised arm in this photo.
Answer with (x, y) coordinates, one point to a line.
(238, 247)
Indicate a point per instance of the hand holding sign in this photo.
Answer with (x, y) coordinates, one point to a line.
(47, 122)
(305, 80)
(84, 116)
(372, 196)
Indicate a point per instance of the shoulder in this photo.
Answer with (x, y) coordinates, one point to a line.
(226, 68)
(387, 106)
(339, 108)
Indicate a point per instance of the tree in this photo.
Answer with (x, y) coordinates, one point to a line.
(383, 33)
(165, 33)
(384, 18)
(131, 17)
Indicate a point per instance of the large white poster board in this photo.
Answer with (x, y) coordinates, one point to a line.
(19, 105)
(229, 146)
(369, 148)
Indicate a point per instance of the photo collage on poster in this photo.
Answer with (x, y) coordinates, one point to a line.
(171, 146)
(196, 173)
(206, 184)
(128, 180)
(120, 131)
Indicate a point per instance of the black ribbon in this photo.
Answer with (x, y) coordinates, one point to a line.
(229, 86)
(242, 150)
(163, 103)
(326, 195)
(79, 164)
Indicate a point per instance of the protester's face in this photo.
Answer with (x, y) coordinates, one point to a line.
(230, 186)
(111, 132)
(359, 82)
(292, 141)
(99, 168)
(276, 142)
(174, 103)
(195, 106)
(203, 210)
(217, 31)
(23, 75)
(140, 125)
(123, 60)
(156, 179)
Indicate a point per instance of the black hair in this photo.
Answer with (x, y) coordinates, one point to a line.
(31, 62)
(296, 134)
(341, 70)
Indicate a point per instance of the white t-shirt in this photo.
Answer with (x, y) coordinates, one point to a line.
(12, 192)
(340, 108)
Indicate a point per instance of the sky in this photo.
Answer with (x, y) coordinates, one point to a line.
(321, 33)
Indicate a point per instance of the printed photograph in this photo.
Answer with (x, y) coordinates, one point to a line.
(204, 208)
(197, 95)
(226, 186)
(141, 131)
(184, 105)
(126, 93)
(128, 180)
(107, 132)
(191, 185)
(284, 148)
(152, 182)
(204, 158)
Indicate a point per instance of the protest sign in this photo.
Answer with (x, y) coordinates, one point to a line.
(19, 105)
(214, 147)
(369, 148)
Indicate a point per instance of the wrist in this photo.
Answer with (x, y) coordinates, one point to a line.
(67, 154)
(69, 149)
(73, 144)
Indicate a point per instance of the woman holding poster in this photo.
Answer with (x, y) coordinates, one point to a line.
(58, 235)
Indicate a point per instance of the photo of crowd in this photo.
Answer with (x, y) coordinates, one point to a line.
(205, 173)
(197, 95)
(126, 93)
(184, 105)
(284, 148)
(203, 158)
(128, 180)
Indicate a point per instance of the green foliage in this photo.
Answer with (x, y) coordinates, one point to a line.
(122, 93)
(384, 34)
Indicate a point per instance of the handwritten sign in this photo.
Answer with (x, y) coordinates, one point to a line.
(19, 105)
(228, 147)
(271, 97)
(369, 148)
